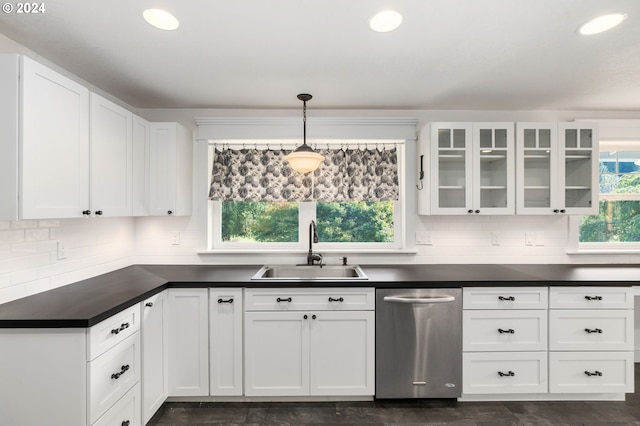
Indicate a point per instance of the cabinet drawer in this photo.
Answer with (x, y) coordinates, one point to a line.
(113, 330)
(112, 374)
(505, 298)
(591, 298)
(603, 330)
(590, 372)
(125, 412)
(500, 373)
(520, 330)
(321, 299)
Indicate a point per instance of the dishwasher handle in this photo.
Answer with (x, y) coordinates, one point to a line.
(419, 300)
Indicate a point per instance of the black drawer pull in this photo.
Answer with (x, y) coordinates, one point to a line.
(305, 317)
(340, 299)
(595, 373)
(593, 297)
(508, 374)
(148, 304)
(125, 423)
(595, 330)
(510, 298)
(288, 299)
(123, 369)
(123, 326)
(313, 317)
(225, 301)
(509, 331)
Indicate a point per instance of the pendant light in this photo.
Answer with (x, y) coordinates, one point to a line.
(304, 159)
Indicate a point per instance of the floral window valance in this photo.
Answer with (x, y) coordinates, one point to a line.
(360, 174)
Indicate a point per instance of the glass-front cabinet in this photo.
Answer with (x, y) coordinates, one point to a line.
(557, 168)
(472, 168)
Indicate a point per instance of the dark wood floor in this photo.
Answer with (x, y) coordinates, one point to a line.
(406, 412)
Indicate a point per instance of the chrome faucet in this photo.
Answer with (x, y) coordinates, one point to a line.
(313, 238)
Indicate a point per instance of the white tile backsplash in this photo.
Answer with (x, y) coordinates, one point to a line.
(29, 260)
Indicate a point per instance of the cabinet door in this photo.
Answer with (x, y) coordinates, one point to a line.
(188, 322)
(493, 168)
(276, 353)
(111, 158)
(537, 168)
(170, 170)
(140, 139)
(55, 144)
(578, 162)
(451, 158)
(225, 341)
(342, 353)
(154, 354)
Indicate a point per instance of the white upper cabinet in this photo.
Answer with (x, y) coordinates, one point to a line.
(111, 158)
(170, 170)
(557, 171)
(141, 135)
(45, 142)
(472, 168)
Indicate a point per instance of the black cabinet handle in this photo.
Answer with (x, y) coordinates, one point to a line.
(86, 212)
(563, 211)
(98, 212)
(123, 326)
(510, 298)
(125, 423)
(313, 317)
(477, 211)
(169, 211)
(288, 299)
(123, 370)
(225, 301)
(509, 331)
(507, 374)
(469, 211)
(148, 304)
(595, 330)
(305, 317)
(339, 299)
(593, 297)
(595, 373)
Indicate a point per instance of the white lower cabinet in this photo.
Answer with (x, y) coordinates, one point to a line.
(590, 342)
(500, 372)
(225, 341)
(154, 354)
(188, 329)
(291, 352)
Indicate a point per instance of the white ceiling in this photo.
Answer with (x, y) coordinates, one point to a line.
(448, 54)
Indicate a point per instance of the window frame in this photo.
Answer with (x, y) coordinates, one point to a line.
(307, 210)
(575, 246)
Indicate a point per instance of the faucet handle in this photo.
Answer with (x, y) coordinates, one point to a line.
(344, 260)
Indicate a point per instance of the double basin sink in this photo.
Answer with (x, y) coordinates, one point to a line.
(310, 273)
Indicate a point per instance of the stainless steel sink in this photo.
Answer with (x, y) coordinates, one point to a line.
(310, 273)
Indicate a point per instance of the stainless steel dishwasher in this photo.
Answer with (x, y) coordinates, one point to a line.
(419, 343)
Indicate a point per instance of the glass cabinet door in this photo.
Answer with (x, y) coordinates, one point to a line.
(450, 167)
(579, 161)
(537, 168)
(493, 168)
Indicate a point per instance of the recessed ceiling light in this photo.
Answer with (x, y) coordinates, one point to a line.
(602, 23)
(161, 19)
(387, 20)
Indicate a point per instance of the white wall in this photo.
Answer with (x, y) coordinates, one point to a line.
(29, 257)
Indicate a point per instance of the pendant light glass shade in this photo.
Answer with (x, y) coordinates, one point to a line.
(304, 159)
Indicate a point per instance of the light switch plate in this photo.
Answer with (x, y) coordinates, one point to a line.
(424, 238)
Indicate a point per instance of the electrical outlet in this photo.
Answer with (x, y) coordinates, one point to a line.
(529, 238)
(495, 238)
(175, 238)
(424, 238)
(62, 251)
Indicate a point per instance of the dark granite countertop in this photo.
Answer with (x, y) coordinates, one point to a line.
(90, 301)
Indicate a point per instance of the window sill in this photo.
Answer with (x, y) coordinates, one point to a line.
(293, 251)
(603, 251)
